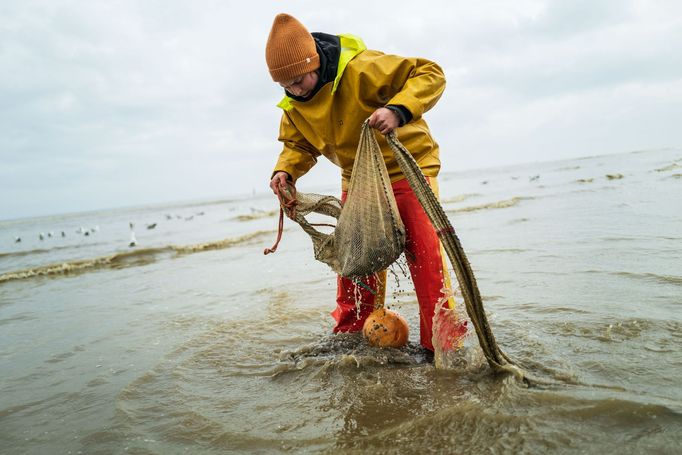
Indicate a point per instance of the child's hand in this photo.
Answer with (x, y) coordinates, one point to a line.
(279, 182)
(384, 120)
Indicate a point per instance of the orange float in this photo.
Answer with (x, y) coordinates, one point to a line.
(385, 328)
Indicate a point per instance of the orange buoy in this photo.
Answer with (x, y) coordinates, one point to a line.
(386, 328)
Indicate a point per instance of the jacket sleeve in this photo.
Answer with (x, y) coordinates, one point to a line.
(414, 83)
(297, 156)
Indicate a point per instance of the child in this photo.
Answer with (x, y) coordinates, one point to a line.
(332, 85)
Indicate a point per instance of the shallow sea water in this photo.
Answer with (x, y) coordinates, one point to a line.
(194, 342)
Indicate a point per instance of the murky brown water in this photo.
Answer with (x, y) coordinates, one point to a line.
(222, 350)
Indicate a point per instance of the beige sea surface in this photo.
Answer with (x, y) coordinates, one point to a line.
(195, 342)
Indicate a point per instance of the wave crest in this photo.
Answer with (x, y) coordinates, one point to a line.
(128, 258)
(503, 204)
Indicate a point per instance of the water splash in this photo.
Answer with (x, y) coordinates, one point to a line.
(449, 332)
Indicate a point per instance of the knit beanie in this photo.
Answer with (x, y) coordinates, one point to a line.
(290, 51)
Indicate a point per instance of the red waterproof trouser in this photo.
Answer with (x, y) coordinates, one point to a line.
(423, 253)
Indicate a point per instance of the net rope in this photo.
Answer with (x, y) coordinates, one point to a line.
(497, 359)
(369, 235)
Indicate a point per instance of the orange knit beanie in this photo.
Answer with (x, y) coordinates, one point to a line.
(291, 50)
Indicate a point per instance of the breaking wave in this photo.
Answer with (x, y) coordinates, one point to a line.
(644, 276)
(257, 215)
(658, 278)
(128, 258)
(458, 198)
(670, 167)
(48, 250)
(491, 205)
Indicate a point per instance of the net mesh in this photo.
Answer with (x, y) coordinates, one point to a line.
(497, 359)
(369, 235)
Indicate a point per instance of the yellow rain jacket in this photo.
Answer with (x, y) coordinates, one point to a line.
(329, 123)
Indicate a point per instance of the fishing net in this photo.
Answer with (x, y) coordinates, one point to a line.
(369, 234)
(497, 360)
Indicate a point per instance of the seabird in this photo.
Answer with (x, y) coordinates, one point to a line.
(133, 240)
(41, 236)
(17, 240)
(151, 226)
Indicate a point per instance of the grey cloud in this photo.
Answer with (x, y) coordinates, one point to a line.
(99, 100)
(560, 19)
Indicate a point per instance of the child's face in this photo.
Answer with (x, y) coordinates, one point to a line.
(302, 85)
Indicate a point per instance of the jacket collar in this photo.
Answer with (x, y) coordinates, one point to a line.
(332, 64)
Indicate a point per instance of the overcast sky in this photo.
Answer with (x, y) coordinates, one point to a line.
(118, 103)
